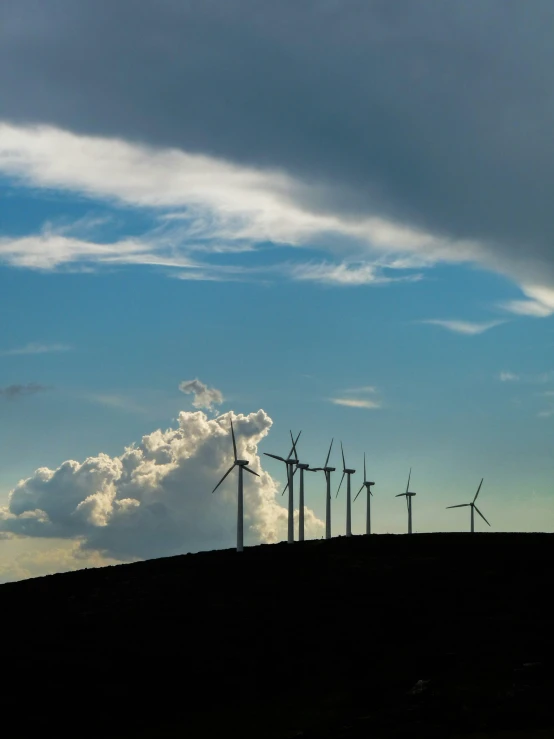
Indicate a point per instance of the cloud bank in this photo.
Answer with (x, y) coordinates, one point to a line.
(155, 499)
(382, 108)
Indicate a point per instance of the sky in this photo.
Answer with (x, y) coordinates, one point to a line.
(328, 217)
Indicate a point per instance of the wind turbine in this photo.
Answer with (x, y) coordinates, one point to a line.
(367, 485)
(242, 464)
(348, 474)
(327, 471)
(409, 497)
(473, 508)
(290, 463)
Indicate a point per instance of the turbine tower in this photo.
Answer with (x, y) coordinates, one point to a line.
(327, 471)
(409, 497)
(348, 474)
(290, 462)
(367, 485)
(473, 508)
(303, 468)
(242, 464)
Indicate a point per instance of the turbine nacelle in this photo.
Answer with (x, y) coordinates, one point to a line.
(303, 466)
(349, 472)
(329, 469)
(242, 462)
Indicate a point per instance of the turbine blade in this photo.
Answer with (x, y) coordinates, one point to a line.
(479, 512)
(478, 489)
(400, 495)
(364, 469)
(286, 486)
(234, 442)
(342, 452)
(247, 469)
(409, 477)
(294, 445)
(359, 491)
(462, 505)
(329, 453)
(223, 478)
(267, 454)
(314, 469)
(341, 479)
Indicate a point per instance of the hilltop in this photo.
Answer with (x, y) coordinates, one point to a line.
(323, 638)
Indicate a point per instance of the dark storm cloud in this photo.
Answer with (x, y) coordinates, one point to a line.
(439, 113)
(11, 392)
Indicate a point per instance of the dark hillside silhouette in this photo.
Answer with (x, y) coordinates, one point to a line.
(431, 635)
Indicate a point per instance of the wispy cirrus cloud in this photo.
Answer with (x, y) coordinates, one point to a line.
(348, 274)
(362, 389)
(115, 400)
(35, 348)
(538, 378)
(203, 204)
(508, 377)
(210, 204)
(353, 397)
(469, 328)
(539, 303)
(548, 411)
(356, 403)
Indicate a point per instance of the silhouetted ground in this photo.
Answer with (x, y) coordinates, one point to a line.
(320, 639)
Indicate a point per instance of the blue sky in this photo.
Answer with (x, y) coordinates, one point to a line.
(344, 307)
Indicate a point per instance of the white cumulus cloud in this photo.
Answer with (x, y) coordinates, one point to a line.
(155, 499)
